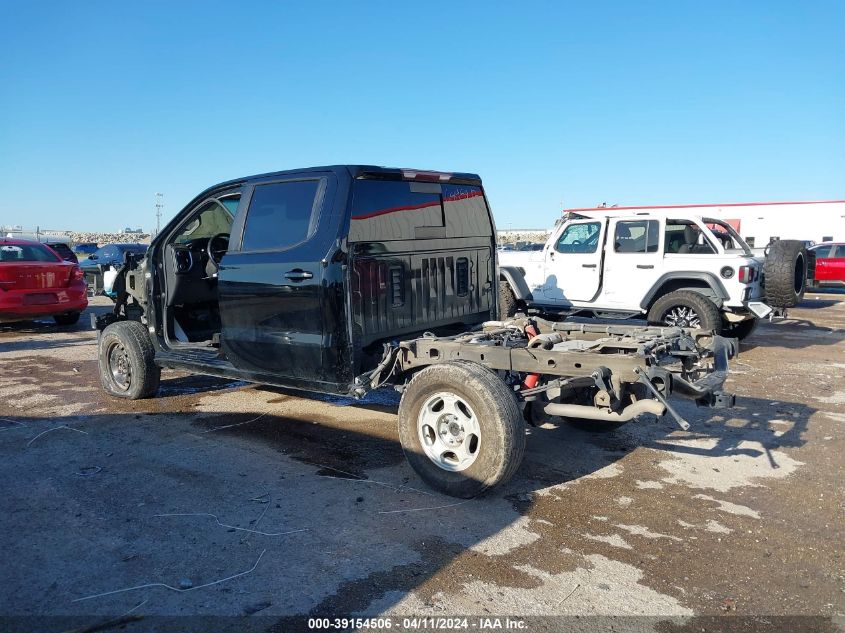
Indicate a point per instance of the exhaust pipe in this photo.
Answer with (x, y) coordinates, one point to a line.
(591, 413)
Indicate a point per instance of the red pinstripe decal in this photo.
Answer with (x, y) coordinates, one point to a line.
(416, 207)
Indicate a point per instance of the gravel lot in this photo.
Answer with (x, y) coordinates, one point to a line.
(313, 499)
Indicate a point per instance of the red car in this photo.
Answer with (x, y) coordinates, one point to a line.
(35, 282)
(830, 264)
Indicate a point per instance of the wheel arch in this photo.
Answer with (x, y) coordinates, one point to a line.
(515, 278)
(695, 281)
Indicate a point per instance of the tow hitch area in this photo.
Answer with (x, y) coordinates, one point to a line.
(718, 400)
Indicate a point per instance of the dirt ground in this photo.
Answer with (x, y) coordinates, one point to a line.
(306, 506)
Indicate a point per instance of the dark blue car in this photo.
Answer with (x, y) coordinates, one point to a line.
(84, 249)
(109, 255)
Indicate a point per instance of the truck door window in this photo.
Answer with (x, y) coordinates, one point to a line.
(579, 238)
(214, 218)
(282, 215)
(824, 251)
(639, 236)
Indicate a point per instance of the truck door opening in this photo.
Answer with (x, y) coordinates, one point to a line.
(191, 262)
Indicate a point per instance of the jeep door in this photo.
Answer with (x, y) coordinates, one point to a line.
(573, 263)
(271, 282)
(633, 261)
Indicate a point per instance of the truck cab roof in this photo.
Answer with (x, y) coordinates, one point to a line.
(367, 172)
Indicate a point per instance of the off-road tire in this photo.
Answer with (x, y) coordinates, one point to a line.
(144, 374)
(785, 273)
(507, 301)
(741, 330)
(70, 318)
(707, 311)
(502, 438)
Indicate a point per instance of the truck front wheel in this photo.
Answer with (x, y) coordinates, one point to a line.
(461, 428)
(687, 309)
(125, 355)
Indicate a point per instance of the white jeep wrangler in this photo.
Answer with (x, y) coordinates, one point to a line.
(678, 271)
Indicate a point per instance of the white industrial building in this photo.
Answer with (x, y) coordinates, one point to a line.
(760, 222)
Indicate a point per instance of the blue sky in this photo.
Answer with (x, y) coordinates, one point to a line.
(553, 103)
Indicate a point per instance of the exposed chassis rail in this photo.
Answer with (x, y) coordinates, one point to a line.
(612, 362)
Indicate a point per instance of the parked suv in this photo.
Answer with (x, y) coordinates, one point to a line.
(343, 279)
(676, 271)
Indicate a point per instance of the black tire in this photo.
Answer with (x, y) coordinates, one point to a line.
(127, 368)
(71, 318)
(501, 438)
(785, 273)
(666, 310)
(741, 330)
(507, 301)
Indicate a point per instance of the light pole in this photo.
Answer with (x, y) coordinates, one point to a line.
(159, 207)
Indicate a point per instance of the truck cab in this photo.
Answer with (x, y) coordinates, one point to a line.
(299, 277)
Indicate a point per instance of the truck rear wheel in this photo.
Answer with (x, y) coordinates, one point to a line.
(127, 368)
(507, 301)
(461, 428)
(785, 273)
(685, 308)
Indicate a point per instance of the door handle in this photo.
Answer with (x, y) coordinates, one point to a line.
(298, 275)
(645, 265)
(588, 265)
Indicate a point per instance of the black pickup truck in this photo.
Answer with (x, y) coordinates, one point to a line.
(343, 279)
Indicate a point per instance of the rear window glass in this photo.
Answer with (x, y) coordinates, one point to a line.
(26, 253)
(281, 215)
(402, 210)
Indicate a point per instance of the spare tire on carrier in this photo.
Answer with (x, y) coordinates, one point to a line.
(785, 273)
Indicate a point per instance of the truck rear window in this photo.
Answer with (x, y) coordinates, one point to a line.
(401, 210)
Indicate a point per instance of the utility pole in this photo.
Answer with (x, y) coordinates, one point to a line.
(159, 207)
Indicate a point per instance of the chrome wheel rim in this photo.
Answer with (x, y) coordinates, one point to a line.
(682, 316)
(449, 431)
(121, 371)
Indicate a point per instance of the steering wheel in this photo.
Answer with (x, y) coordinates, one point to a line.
(216, 248)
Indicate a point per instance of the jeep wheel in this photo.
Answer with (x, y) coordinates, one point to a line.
(741, 330)
(687, 309)
(461, 428)
(507, 301)
(125, 355)
(785, 273)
